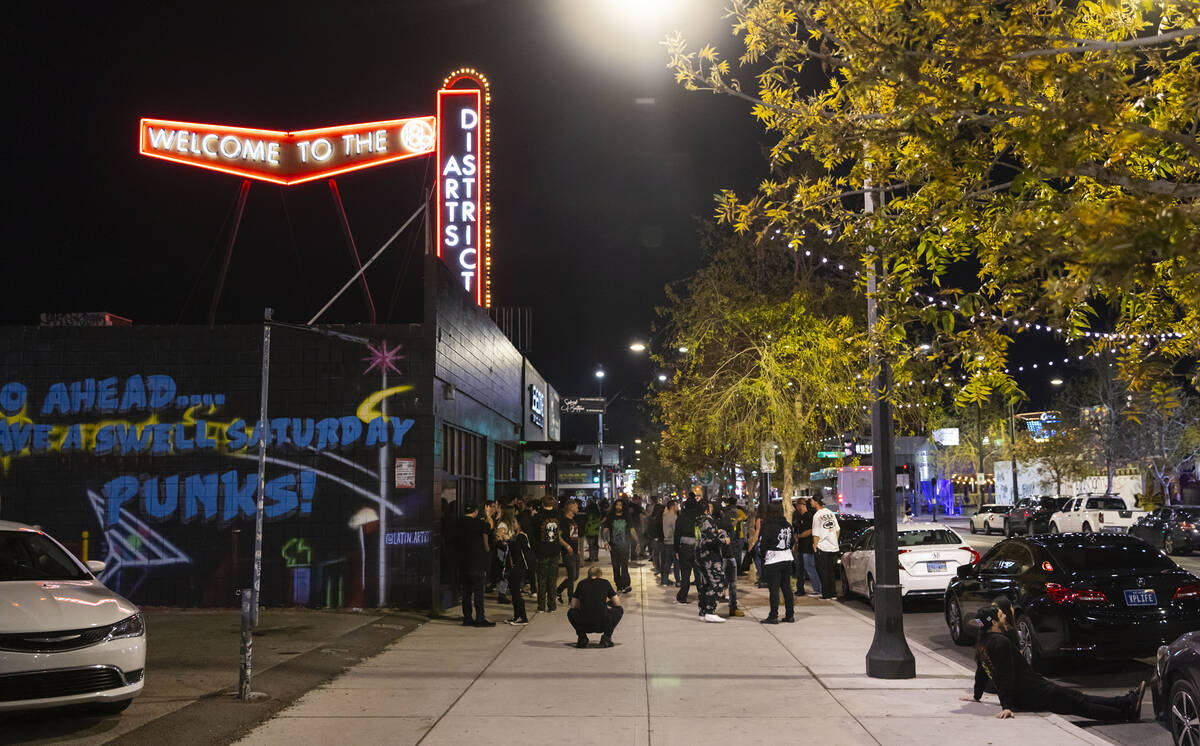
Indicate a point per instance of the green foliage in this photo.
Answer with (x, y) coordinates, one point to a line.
(1029, 159)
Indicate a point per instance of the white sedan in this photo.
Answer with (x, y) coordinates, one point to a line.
(989, 518)
(65, 639)
(930, 555)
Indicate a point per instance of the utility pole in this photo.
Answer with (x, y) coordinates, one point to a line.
(889, 656)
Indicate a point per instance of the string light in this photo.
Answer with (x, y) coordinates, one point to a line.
(475, 76)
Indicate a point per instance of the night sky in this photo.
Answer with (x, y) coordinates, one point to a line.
(596, 197)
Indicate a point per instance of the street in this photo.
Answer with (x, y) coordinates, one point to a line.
(925, 623)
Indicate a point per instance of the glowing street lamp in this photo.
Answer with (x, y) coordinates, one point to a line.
(599, 373)
(683, 350)
(637, 347)
(662, 377)
(1056, 381)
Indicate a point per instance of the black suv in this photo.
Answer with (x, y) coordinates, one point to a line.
(1031, 515)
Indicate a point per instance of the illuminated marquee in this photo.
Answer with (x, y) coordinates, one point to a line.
(287, 157)
(463, 226)
(460, 135)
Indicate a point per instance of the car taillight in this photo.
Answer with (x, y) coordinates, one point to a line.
(902, 551)
(1188, 590)
(1060, 595)
(974, 554)
(1185, 526)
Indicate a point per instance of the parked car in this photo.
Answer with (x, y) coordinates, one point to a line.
(65, 639)
(930, 555)
(1094, 595)
(1107, 513)
(990, 517)
(851, 528)
(1175, 528)
(1175, 688)
(1031, 515)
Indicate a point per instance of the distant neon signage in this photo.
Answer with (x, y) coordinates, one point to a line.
(287, 158)
(463, 232)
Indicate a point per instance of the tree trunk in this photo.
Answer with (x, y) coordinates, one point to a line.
(788, 452)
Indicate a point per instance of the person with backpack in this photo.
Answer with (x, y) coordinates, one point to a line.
(548, 544)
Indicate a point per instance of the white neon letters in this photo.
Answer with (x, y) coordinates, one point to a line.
(460, 195)
(229, 147)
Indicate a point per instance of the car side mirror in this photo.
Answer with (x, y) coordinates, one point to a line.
(95, 567)
(964, 571)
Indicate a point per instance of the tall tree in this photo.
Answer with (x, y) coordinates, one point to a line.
(1031, 160)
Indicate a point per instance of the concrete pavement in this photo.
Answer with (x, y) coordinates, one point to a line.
(671, 679)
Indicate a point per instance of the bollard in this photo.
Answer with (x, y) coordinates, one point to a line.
(247, 646)
(84, 550)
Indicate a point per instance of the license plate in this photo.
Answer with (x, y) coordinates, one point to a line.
(935, 567)
(1141, 597)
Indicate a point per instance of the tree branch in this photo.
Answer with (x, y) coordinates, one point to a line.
(1096, 45)
(1144, 186)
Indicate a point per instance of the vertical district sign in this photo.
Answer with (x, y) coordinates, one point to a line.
(463, 230)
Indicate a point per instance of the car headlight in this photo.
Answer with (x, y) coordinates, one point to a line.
(133, 626)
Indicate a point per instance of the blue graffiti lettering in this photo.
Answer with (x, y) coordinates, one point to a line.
(236, 432)
(161, 435)
(199, 491)
(182, 442)
(14, 436)
(162, 390)
(398, 431)
(41, 438)
(135, 394)
(73, 440)
(58, 401)
(327, 433)
(117, 492)
(203, 442)
(12, 398)
(160, 509)
(377, 431)
(106, 395)
(132, 440)
(303, 431)
(239, 495)
(351, 428)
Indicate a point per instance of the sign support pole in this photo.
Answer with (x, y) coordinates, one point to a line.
(345, 223)
(265, 434)
(239, 208)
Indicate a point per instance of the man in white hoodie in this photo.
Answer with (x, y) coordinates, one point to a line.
(825, 530)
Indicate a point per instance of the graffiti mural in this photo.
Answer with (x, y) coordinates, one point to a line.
(153, 445)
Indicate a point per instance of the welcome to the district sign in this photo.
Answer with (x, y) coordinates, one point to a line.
(458, 136)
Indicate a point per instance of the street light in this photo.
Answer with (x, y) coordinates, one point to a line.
(683, 350)
(637, 347)
(662, 377)
(599, 373)
(638, 441)
(1056, 381)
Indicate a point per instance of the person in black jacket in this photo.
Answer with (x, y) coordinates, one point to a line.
(685, 549)
(517, 564)
(1020, 688)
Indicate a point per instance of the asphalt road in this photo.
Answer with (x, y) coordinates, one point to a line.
(926, 624)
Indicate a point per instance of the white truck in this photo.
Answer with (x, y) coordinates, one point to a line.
(1095, 513)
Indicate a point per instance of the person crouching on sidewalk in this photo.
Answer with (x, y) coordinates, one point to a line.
(595, 607)
(1022, 689)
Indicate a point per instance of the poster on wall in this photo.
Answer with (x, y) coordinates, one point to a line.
(406, 473)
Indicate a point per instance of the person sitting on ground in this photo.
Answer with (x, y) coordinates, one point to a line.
(595, 607)
(1022, 689)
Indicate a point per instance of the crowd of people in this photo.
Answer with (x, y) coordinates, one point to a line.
(516, 548)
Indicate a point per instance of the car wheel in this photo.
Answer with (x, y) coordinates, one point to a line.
(1008, 529)
(972, 524)
(1027, 642)
(955, 622)
(1087, 528)
(844, 590)
(871, 591)
(1054, 528)
(1183, 713)
(1169, 545)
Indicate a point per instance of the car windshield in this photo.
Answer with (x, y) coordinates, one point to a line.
(28, 555)
(1113, 555)
(1187, 514)
(927, 536)
(1106, 503)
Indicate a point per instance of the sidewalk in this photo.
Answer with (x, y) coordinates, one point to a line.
(671, 679)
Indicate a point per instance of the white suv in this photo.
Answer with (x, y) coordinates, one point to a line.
(991, 517)
(65, 639)
(1095, 513)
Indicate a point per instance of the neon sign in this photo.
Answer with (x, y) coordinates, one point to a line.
(460, 135)
(463, 229)
(287, 158)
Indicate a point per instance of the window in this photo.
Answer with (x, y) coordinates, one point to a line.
(927, 536)
(1106, 503)
(463, 456)
(506, 467)
(1007, 559)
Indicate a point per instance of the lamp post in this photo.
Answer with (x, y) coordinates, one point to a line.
(600, 433)
(889, 656)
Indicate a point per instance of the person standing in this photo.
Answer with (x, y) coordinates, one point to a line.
(548, 545)
(591, 530)
(473, 558)
(806, 562)
(825, 544)
(777, 539)
(570, 556)
(666, 560)
(517, 564)
(728, 522)
(596, 607)
(685, 548)
(710, 562)
(619, 536)
(654, 530)
(527, 518)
